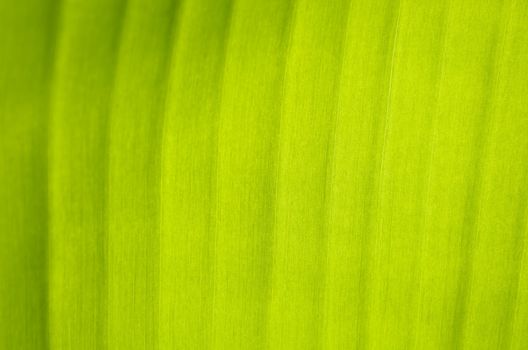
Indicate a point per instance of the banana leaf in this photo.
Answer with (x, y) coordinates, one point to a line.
(250, 174)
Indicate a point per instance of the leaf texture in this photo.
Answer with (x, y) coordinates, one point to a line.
(250, 174)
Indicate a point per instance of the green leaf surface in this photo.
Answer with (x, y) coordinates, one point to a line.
(251, 174)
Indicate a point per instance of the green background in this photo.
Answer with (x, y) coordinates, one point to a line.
(250, 174)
